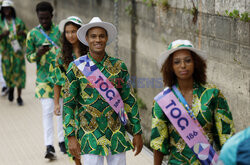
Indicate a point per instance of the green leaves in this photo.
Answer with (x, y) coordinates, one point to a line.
(245, 17)
(235, 14)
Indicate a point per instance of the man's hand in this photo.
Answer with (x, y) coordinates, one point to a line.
(42, 50)
(138, 143)
(57, 110)
(74, 147)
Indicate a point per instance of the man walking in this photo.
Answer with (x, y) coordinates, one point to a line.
(99, 101)
(42, 47)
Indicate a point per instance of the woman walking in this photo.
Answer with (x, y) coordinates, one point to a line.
(190, 117)
(71, 50)
(13, 36)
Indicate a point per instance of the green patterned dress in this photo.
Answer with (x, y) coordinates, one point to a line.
(211, 110)
(97, 126)
(13, 63)
(58, 73)
(58, 76)
(35, 39)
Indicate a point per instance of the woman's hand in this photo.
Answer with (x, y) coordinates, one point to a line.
(21, 33)
(138, 143)
(74, 147)
(57, 111)
(6, 33)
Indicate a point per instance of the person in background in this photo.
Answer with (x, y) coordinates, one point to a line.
(236, 151)
(12, 37)
(42, 48)
(71, 49)
(183, 70)
(99, 97)
(4, 88)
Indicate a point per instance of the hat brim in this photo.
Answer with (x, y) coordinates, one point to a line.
(111, 30)
(8, 6)
(163, 57)
(64, 21)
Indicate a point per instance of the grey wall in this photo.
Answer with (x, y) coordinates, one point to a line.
(226, 41)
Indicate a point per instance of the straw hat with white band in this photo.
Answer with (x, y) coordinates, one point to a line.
(7, 3)
(179, 45)
(97, 22)
(73, 19)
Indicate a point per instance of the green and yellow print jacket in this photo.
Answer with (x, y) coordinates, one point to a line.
(35, 39)
(211, 110)
(13, 63)
(90, 118)
(58, 73)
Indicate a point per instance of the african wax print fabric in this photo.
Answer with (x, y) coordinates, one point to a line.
(211, 110)
(35, 39)
(13, 63)
(91, 119)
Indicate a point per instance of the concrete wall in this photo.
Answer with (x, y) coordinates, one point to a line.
(226, 41)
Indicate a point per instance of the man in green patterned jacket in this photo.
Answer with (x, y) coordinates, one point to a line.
(42, 49)
(93, 128)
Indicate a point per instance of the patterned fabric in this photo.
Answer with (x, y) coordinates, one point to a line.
(35, 39)
(211, 110)
(13, 64)
(58, 76)
(97, 126)
(58, 73)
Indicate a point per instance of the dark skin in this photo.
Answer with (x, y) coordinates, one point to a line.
(45, 19)
(7, 13)
(183, 66)
(158, 157)
(97, 39)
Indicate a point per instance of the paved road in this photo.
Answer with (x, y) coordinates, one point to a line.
(21, 133)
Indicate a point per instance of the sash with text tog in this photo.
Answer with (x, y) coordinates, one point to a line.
(102, 84)
(186, 126)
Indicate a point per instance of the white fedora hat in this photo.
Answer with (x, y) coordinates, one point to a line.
(97, 22)
(179, 45)
(7, 3)
(73, 19)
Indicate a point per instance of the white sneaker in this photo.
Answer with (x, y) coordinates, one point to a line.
(5, 91)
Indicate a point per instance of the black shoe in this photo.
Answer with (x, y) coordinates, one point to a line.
(11, 94)
(19, 101)
(62, 147)
(50, 153)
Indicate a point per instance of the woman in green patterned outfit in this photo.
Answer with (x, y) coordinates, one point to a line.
(71, 49)
(184, 66)
(13, 36)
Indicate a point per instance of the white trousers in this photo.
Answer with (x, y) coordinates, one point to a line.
(117, 159)
(2, 81)
(48, 126)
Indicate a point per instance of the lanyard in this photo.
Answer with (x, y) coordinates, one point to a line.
(47, 37)
(184, 102)
(13, 25)
(188, 129)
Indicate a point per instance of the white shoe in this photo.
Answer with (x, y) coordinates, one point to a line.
(5, 91)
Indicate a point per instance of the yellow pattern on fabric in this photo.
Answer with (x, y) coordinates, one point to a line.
(211, 110)
(100, 130)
